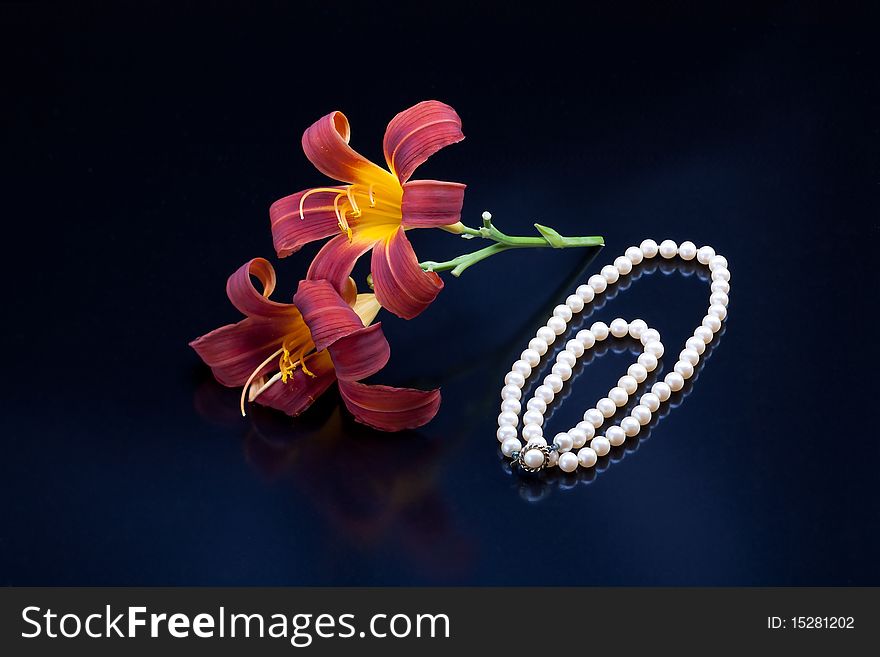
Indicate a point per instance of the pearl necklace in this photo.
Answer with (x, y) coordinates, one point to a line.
(537, 453)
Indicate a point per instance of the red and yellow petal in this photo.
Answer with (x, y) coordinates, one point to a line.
(301, 390)
(326, 314)
(336, 260)
(251, 302)
(417, 133)
(325, 143)
(234, 351)
(401, 285)
(291, 230)
(361, 353)
(429, 203)
(389, 409)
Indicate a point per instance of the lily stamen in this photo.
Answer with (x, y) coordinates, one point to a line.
(340, 217)
(253, 375)
(372, 198)
(355, 210)
(315, 190)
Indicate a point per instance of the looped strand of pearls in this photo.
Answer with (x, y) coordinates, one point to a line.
(537, 453)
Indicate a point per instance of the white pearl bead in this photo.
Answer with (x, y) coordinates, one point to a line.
(522, 367)
(684, 368)
(511, 392)
(587, 457)
(623, 265)
(661, 390)
(568, 462)
(540, 440)
(615, 436)
(717, 262)
(588, 429)
(533, 417)
(510, 445)
(546, 334)
(649, 335)
(532, 432)
(554, 381)
(514, 379)
(544, 393)
(578, 437)
(696, 344)
(561, 370)
(567, 357)
(600, 445)
(634, 254)
(534, 458)
(721, 275)
(563, 312)
(586, 338)
(563, 441)
(704, 333)
(687, 250)
(537, 344)
(705, 254)
(712, 323)
(619, 327)
(637, 327)
(638, 372)
(506, 417)
(538, 405)
(557, 325)
(606, 407)
(675, 381)
(630, 426)
(618, 395)
(651, 401)
(655, 348)
(690, 355)
(594, 416)
(505, 432)
(511, 406)
(649, 248)
(586, 293)
(599, 330)
(668, 249)
(552, 459)
(717, 310)
(610, 274)
(574, 302)
(598, 283)
(531, 356)
(648, 361)
(719, 298)
(628, 383)
(575, 348)
(641, 414)
(720, 286)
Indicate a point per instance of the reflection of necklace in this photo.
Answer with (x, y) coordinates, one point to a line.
(537, 453)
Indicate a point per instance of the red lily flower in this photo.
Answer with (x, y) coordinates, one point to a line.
(376, 206)
(286, 355)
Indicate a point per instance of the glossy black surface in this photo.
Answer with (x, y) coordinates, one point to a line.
(144, 148)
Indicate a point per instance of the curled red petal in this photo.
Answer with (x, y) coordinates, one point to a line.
(387, 408)
(417, 133)
(290, 230)
(336, 260)
(361, 353)
(234, 351)
(325, 143)
(251, 302)
(327, 315)
(300, 391)
(400, 283)
(428, 203)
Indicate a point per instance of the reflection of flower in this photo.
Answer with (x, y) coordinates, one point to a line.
(320, 335)
(376, 206)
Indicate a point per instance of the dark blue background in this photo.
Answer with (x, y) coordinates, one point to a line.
(144, 147)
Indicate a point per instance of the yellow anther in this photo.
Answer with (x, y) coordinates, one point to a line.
(372, 198)
(302, 363)
(355, 210)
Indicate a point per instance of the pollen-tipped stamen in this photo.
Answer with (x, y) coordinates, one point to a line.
(314, 190)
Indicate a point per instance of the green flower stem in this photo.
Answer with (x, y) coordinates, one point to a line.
(548, 238)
